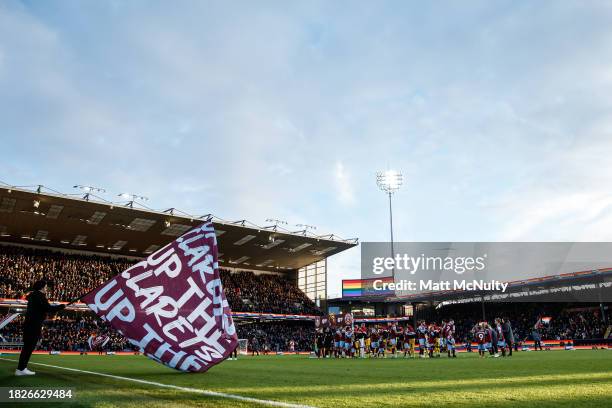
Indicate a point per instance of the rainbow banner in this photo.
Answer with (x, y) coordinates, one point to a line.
(364, 287)
(351, 287)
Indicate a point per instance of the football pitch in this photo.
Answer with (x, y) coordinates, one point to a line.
(528, 379)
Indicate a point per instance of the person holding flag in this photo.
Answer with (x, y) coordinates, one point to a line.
(38, 308)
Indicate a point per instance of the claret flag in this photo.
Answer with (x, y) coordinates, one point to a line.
(172, 305)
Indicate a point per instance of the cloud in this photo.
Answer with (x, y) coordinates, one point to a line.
(498, 115)
(343, 185)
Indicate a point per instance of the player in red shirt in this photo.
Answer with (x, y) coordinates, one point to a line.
(501, 341)
(482, 337)
(409, 341)
(434, 340)
(449, 335)
(422, 332)
(443, 328)
(393, 340)
(374, 343)
(338, 343)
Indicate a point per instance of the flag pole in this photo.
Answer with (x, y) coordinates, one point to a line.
(80, 297)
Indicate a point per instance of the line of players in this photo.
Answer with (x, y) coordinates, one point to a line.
(393, 340)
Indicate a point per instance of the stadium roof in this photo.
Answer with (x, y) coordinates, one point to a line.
(89, 223)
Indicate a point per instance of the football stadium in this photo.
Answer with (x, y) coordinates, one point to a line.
(291, 351)
(305, 204)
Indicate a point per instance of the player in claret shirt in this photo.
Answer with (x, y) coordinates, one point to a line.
(374, 343)
(501, 341)
(443, 336)
(422, 336)
(482, 337)
(382, 342)
(400, 339)
(409, 340)
(360, 343)
(338, 343)
(492, 340)
(348, 342)
(434, 340)
(449, 335)
(392, 341)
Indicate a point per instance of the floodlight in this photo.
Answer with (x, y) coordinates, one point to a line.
(90, 189)
(389, 181)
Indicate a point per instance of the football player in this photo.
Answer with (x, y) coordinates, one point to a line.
(422, 336)
(409, 341)
(480, 335)
(434, 340)
(450, 338)
(501, 341)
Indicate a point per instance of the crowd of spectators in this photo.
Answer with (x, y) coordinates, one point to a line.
(72, 275)
(568, 321)
(248, 292)
(69, 275)
(69, 332)
(276, 336)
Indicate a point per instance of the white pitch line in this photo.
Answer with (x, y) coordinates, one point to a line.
(176, 387)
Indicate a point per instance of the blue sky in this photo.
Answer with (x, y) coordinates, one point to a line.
(499, 113)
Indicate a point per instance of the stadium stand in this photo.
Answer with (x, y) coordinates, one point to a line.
(568, 321)
(69, 275)
(277, 335)
(73, 275)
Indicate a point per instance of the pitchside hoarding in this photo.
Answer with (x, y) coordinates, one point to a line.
(489, 268)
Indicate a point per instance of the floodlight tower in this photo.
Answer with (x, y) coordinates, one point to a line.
(276, 223)
(390, 181)
(133, 198)
(89, 190)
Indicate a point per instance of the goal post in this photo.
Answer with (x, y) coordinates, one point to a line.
(243, 346)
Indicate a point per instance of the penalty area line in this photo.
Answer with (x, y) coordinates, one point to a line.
(207, 393)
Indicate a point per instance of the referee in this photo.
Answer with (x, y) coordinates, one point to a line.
(38, 307)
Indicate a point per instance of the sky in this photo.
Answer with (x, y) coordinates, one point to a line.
(498, 113)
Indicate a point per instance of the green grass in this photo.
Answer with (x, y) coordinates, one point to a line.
(535, 379)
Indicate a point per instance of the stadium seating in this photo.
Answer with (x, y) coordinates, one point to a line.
(70, 332)
(72, 275)
(579, 321)
(276, 335)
